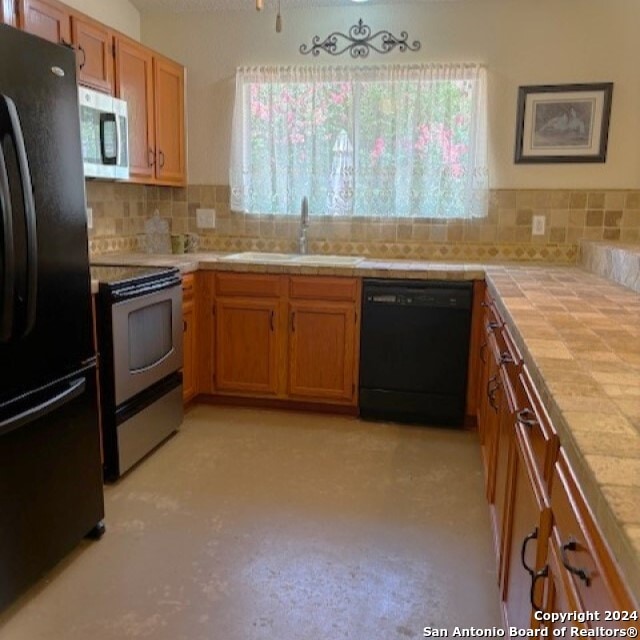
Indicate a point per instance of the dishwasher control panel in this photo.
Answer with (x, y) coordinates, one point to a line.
(448, 297)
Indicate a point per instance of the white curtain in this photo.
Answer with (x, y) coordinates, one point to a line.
(389, 141)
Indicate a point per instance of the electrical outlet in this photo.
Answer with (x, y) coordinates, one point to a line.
(89, 217)
(538, 225)
(206, 218)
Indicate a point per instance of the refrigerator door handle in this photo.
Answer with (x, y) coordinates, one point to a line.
(9, 116)
(8, 254)
(71, 390)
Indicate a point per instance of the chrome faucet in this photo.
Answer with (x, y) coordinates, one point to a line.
(304, 223)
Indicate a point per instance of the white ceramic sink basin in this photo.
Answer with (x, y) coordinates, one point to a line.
(329, 261)
(257, 256)
(293, 258)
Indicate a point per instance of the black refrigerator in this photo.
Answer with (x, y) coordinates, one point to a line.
(50, 470)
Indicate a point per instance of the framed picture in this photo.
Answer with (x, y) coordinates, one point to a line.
(563, 123)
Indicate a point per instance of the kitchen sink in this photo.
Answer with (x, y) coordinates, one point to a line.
(293, 258)
(329, 261)
(257, 256)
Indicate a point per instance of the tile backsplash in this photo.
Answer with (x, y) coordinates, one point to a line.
(120, 210)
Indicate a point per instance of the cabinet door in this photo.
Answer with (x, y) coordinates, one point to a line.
(188, 346)
(94, 46)
(189, 321)
(134, 83)
(46, 18)
(321, 350)
(8, 12)
(527, 530)
(560, 594)
(247, 345)
(169, 119)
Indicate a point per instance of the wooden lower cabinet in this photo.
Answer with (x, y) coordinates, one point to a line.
(189, 347)
(586, 574)
(188, 371)
(322, 350)
(292, 339)
(247, 345)
(550, 554)
(527, 531)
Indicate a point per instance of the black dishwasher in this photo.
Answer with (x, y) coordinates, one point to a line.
(415, 350)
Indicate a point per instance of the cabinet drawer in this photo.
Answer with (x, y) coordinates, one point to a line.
(585, 556)
(536, 426)
(240, 284)
(188, 285)
(323, 288)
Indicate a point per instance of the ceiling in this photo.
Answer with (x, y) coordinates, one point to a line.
(178, 6)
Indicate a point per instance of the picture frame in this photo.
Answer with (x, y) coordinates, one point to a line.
(565, 123)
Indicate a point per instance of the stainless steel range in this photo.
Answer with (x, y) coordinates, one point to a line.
(139, 319)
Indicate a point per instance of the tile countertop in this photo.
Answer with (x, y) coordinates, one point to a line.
(580, 337)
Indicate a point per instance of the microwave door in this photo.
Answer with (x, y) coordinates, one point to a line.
(96, 122)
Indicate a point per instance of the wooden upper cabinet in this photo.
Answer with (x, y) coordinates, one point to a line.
(94, 51)
(134, 83)
(169, 120)
(48, 19)
(322, 350)
(8, 12)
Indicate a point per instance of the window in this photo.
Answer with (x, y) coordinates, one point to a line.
(389, 141)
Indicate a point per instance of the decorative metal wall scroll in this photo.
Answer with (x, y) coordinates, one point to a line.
(359, 42)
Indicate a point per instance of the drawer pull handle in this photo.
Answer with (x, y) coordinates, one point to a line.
(492, 326)
(505, 358)
(293, 322)
(151, 157)
(583, 574)
(492, 387)
(543, 573)
(272, 321)
(523, 550)
(527, 418)
(483, 347)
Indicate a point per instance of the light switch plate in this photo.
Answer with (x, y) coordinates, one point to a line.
(206, 218)
(89, 217)
(538, 225)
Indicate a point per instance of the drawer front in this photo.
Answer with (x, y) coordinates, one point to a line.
(323, 288)
(536, 426)
(188, 286)
(240, 284)
(584, 555)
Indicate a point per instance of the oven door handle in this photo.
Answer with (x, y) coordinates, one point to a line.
(155, 364)
(135, 291)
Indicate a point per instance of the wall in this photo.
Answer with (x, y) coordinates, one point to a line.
(522, 42)
(118, 14)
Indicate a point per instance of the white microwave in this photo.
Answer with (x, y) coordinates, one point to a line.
(104, 130)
